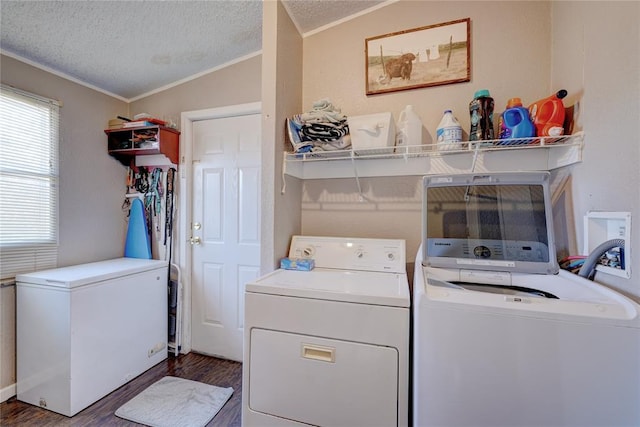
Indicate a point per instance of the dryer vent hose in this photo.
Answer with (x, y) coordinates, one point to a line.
(589, 266)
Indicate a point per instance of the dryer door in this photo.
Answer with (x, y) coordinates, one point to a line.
(322, 381)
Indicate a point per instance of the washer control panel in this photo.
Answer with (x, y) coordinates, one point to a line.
(351, 253)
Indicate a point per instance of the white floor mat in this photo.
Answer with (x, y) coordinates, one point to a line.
(175, 402)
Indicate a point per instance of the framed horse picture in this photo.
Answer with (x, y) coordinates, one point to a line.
(427, 56)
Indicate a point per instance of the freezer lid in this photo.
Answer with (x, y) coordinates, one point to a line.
(365, 287)
(79, 275)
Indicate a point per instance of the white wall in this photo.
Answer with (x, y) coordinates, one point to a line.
(91, 222)
(597, 58)
(7, 341)
(91, 182)
(238, 83)
(281, 95)
(510, 56)
(526, 49)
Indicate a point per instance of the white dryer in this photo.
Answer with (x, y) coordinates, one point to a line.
(330, 346)
(501, 337)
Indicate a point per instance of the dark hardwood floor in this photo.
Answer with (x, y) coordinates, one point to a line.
(192, 366)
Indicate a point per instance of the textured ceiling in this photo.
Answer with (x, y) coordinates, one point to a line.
(132, 48)
(310, 15)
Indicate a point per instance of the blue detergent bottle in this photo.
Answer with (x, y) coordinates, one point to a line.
(515, 122)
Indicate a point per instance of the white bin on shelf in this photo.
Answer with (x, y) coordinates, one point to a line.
(372, 131)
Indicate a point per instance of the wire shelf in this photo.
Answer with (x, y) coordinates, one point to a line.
(518, 154)
(431, 150)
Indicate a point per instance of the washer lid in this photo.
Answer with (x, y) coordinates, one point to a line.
(574, 295)
(495, 222)
(365, 287)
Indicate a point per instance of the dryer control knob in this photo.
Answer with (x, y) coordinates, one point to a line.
(391, 256)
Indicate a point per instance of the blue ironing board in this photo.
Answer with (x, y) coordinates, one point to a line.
(137, 244)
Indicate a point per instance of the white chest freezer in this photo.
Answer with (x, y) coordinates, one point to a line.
(85, 330)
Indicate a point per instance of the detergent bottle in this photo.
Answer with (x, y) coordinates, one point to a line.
(547, 114)
(481, 112)
(449, 132)
(515, 122)
(409, 128)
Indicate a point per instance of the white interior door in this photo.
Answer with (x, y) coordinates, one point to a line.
(225, 230)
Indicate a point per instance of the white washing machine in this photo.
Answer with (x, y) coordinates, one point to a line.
(501, 337)
(330, 346)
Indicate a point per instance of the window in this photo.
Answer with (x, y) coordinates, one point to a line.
(28, 182)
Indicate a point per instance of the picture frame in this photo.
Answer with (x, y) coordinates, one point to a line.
(434, 55)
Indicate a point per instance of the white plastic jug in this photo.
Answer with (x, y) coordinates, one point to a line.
(409, 129)
(449, 132)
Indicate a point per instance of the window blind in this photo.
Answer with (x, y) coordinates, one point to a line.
(29, 135)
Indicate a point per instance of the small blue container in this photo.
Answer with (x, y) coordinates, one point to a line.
(300, 264)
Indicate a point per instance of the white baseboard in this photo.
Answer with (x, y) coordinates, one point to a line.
(7, 392)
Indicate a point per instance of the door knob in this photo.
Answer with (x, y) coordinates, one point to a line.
(194, 240)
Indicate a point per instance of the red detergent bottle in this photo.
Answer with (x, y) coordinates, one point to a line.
(547, 114)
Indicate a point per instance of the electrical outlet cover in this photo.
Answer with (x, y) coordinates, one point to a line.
(600, 226)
